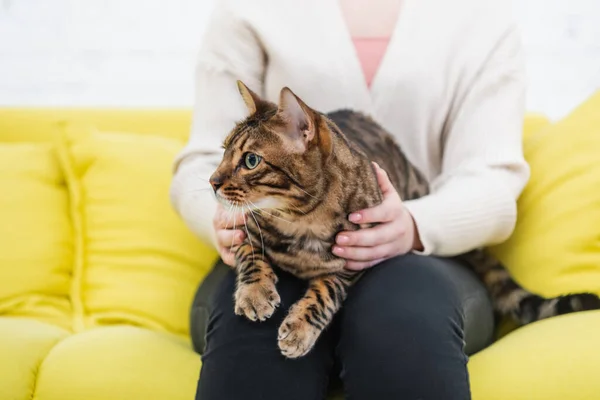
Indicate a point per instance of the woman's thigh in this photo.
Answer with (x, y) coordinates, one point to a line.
(241, 359)
(402, 330)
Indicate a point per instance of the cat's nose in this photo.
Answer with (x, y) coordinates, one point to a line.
(216, 181)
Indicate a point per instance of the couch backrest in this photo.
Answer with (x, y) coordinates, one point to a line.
(43, 124)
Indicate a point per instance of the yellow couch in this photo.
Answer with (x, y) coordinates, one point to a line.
(97, 273)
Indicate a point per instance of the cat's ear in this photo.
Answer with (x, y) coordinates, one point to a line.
(300, 123)
(252, 100)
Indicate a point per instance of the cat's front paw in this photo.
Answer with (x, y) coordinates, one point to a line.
(296, 336)
(258, 300)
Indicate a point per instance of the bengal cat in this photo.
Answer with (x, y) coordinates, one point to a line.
(298, 174)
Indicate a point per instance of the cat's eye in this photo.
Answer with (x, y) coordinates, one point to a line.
(251, 160)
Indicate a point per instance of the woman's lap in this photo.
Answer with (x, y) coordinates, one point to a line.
(242, 357)
(399, 331)
(404, 320)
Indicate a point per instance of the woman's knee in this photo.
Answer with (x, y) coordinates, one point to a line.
(401, 328)
(410, 295)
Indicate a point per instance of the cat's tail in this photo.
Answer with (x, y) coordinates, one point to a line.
(525, 307)
(533, 307)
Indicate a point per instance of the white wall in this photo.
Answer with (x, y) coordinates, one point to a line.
(141, 52)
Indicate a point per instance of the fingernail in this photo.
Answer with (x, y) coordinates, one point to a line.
(338, 250)
(342, 239)
(241, 236)
(355, 217)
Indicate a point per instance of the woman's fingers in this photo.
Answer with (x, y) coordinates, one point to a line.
(364, 253)
(389, 208)
(229, 238)
(367, 237)
(383, 212)
(383, 180)
(227, 256)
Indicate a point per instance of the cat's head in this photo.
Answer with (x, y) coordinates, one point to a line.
(275, 157)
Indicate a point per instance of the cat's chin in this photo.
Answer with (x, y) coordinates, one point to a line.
(261, 204)
(227, 203)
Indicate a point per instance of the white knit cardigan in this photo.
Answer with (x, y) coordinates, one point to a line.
(450, 88)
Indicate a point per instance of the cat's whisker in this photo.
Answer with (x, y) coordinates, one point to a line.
(275, 216)
(229, 215)
(233, 238)
(263, 211)
(248, 232)
(284, 211)
(297, 209)
(197, 175)
(262, 243)
(299, 188)
(199, 190)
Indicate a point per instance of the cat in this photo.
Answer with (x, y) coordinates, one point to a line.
(297, 174)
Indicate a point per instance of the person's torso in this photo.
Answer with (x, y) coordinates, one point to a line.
(308, 47)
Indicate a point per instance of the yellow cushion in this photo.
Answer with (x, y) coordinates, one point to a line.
(119, 363)
(35, 235)
(533, 124)
(24, 344)
(555, 247)
(553, 359)
(137, 263)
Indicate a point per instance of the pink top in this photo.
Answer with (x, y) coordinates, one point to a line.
(370, 52)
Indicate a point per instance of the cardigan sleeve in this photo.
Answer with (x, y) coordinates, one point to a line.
(229, 51)
(473, 201)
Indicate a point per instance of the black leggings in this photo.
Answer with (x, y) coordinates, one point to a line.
(400, 334)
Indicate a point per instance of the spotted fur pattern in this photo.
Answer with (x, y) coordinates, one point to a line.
(298, 174)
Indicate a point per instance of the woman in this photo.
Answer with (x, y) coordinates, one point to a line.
(447, 79)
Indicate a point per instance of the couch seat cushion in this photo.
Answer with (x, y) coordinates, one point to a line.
(119, 363)
(24, 344)
(553, 359)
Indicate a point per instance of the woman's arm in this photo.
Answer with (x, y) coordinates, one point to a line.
(473, 201)
(229, 51)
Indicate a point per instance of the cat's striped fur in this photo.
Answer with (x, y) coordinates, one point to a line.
(298, 174)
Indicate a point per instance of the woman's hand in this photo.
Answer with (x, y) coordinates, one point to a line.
(228, 238)
(395, 235)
